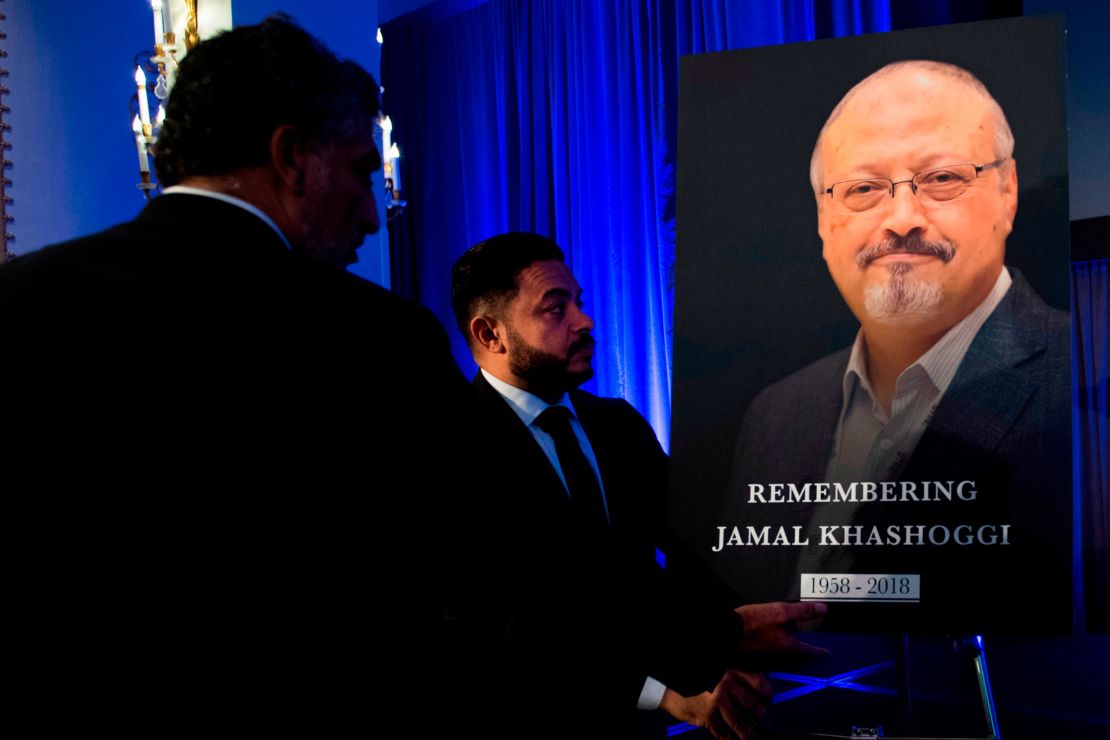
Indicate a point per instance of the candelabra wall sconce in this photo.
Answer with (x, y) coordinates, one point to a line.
(391, 168)
(391, 165)
(161, 65)
(155, 72)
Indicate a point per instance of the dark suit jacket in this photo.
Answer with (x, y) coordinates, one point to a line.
(1004, 422)
(571, 626)
(214, 489)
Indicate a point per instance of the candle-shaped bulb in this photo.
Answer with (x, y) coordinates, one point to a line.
(387, 131)
(144, 106)
(379, 36)
(160, 117)
(136, 125)
(159, 24)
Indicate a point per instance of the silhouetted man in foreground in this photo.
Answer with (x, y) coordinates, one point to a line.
(218, 431)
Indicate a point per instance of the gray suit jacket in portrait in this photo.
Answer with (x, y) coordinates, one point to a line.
(1004, 422)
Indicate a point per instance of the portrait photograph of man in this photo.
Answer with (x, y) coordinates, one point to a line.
(872, 347)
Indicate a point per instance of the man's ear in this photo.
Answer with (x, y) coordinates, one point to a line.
(824, 230)
(1010, 195)
(487, 332)
(287, 157)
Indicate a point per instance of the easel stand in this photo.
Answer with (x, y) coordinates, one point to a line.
(974, 646)
(971, 645)
(902, 668)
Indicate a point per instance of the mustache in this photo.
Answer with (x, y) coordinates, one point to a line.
(586, 341)
(912, 244)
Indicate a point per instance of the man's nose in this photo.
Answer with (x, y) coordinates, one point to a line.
(905, 212)
(584, 321)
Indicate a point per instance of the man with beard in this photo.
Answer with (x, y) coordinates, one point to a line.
(959, 370)
(570, 620)
(208, 436)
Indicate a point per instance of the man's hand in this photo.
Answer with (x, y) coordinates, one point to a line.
(766, 625)
(733, 711)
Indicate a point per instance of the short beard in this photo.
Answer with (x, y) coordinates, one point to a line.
(547, 374)
(901, 296)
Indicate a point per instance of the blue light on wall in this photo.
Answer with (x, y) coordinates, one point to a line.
(559, 118)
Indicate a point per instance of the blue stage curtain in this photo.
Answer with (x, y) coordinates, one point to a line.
(559, 116)
(1090, 369)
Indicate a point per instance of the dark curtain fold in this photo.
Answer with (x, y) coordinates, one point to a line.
(1091, 432)
(559, 117)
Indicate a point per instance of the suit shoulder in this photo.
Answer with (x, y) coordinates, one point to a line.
(62, 272)
(1057, 322)
(65, 255)
(795, 413)
(362, 297)
(588, 403)
(1024, 324)
(585, 398)
(354, 287)
(818, 378)
(1031, 308)
(613, 413)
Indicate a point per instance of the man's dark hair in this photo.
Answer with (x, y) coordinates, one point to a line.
(483, 280)
(234, 90)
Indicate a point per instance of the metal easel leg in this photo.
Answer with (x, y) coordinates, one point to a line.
(902, 668)
(980, 657)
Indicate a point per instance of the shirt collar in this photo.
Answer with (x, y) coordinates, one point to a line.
(526, 405)
(856, 372)
(248, 207)
(942, 360)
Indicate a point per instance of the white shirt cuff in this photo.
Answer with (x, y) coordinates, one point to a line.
(651, 696)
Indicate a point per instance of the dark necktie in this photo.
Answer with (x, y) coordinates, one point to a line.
(585, 492)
